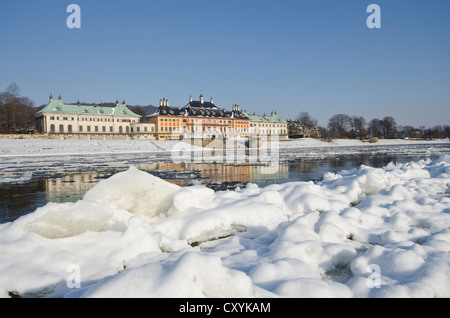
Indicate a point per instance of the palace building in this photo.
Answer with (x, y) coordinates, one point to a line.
(198, 117)
(266, 125)
(90, 120)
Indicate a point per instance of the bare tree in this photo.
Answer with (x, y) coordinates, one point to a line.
(389, 127)
(16, 112)
(447, 131)
(323, 132)
(339, 125)
(358, 124)
(375, 128)
(305, 119)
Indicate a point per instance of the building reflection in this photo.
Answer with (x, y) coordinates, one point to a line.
(72, 186)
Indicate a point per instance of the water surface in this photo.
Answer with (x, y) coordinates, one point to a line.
(68, 178)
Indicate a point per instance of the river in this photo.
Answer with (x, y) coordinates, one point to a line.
(33, 182)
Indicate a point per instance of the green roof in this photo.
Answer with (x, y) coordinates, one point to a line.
(273, 118)
(58, 107)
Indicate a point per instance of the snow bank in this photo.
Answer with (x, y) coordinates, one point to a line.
(52, 147)
(361, 233)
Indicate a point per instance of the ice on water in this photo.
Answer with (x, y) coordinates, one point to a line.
(135, 235)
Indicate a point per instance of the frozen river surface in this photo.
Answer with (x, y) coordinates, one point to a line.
(34, 173)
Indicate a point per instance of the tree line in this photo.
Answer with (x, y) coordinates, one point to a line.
(17, 116)
(16, 111)
(345, 126)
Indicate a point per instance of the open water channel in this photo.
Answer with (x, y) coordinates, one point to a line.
(31, 182)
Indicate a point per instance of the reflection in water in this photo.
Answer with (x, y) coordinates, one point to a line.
(17, 200)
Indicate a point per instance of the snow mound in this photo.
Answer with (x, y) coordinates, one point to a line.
(189, 275)
(134, 191)
(360, 233)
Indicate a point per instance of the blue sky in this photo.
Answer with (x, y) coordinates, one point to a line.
(287, 56)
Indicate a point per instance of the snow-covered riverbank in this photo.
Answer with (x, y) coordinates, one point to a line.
(52, 147)
(365, 232)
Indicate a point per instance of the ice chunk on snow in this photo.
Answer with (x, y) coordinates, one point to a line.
(134, 191)
(71, 219)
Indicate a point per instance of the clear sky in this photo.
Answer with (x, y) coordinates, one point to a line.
(287, 56)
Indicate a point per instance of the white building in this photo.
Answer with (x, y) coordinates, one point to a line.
(91, 120)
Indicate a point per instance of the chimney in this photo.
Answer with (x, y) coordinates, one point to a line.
(167, 102)
(51, 98)
(59, 98)
(190, 99)
(160, 102)
(212, 100)
(201, 98)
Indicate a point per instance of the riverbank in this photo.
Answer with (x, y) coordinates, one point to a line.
(51, 147)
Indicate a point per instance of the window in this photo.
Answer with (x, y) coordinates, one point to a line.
(80, 128)
(52, 128)
(110, 129)
(103, 128)
(88, 128)
(61, 129)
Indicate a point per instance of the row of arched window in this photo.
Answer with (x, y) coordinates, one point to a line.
(96, 129)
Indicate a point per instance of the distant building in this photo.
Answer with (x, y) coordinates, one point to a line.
(77, 121)
(266, 125)
(297, 130)
(91, 121)
(198, 117)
